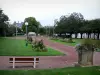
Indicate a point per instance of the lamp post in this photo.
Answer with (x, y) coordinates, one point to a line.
(26, 24)
(55, 24)
(16, 29)
(5, 28)
(49, 30)
(46, 30)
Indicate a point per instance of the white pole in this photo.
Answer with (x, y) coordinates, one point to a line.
(53, 30)
(26, 23)
(49, 30)
(46, 31)
(26, 33)
(16, 30)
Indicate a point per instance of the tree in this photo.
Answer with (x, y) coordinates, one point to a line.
(91, 26)
(70, 24)
(11, 30)
(42, 31)
(95, 27)
(61, 26)
(75, 21)
(3, 25)
(33, 25)
(48, 30)
(85, 28)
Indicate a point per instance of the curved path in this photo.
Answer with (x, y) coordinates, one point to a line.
(71, 54)
(50, 61)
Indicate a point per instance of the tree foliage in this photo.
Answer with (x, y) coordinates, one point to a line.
(69, 23)
(33, 25)
(42, 30)
(75, 23)
(3, 25)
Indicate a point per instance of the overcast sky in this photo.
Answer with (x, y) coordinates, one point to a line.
(46, 11)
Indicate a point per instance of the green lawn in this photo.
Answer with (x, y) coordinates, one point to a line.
(63, 71)
(16, 47)
(76, 41)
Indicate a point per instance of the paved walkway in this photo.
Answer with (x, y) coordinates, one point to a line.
(71, 54)
(47, 62)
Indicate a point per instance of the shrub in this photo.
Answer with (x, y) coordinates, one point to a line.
(87, 44)
(67, 40)
(39, 46)
(91, 44)
(54, 38)
(70, 41)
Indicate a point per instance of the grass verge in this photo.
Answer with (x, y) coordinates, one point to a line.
(17, 47)
(62, 71)
(75, 41)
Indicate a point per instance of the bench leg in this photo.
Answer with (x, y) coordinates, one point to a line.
(13, 62)
(13, 65)
(34, 62)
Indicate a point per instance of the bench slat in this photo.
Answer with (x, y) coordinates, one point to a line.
(33, 60)
(23, 59)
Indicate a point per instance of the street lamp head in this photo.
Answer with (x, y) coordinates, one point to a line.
(26, 23)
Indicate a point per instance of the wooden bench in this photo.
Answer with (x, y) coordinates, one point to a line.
(33, 60)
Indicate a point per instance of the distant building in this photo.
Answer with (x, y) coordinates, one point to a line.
(19, 24)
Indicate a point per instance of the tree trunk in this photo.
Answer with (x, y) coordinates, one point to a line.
(81, 35)
(97, 36)
(1, 32)
(88, 35)
(75, 35)
(4, 33)
(94, 35)
(60, 35)
(70, 35)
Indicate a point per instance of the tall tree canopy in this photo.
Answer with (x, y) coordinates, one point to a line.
(33, 25)
(91, 26)
(3, 25)
(70, 23)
